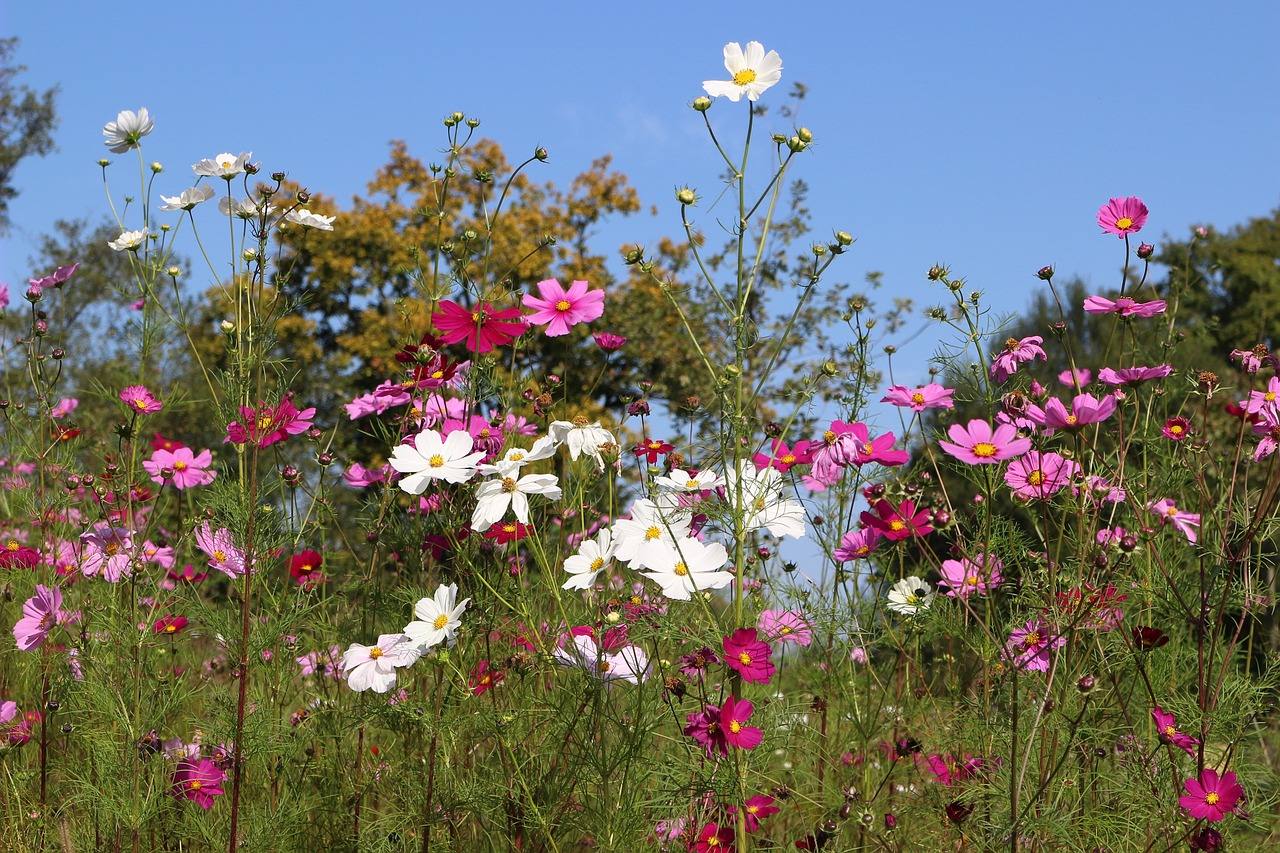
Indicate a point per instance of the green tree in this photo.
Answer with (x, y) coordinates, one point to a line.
(27, 121)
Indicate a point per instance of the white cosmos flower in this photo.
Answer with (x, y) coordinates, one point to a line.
(493, 497)
(130, 240)
(439, 618)
(244, 209)
(763, 503)
(680, 480)
(586, 565)
(638, 540)
(751, 72)
(223, 166)
(517, 457)
(307, 219)
(910, 596)
(689, 566)
(434, 458)
(189, 198)
(582, 437)
(374, 667)
(129, 127)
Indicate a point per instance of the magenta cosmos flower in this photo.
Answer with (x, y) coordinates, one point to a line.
(609, 342)
(1209, 797)
(932, 396)
(1085, 409)
(186, 468)
(562, 309)
(140, 401)
(1121, 216)
(896, 523)
(1124, 306)
(1030, 646)
(1134, 375)
(733, 723)
(482, 328)
(857, 544)
(749, 655)
(1039, 476)
(978, 444)
(782, 457)
(865, 449)
(268, 425)
(40, 613)
(1167, 728)
(785, 626)
(757, 808)
(1015, 352)
(198, 780)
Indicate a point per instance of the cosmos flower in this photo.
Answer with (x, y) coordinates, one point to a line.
(1124, 306)
(910, 596)
(40, 614)
(439, 618)
(433, 457)
(932, 396)
(1211, 798)
(966, 577)
(268, 425)
(128, 240)
(225, 166)
(199, 780)
(127, 130)
(746, 653)
(1186, 522)
(140, 401)
(901, 522)
(586, 565)
(562, 309)
(495, 496)
(374, 667)
(221, 549)
(857, 544)
(1167, 729)
(785, 626)
(687, 566)
(307, 219)
(481, 328)
(751, 72)
(1030, 647)
(187, 199)
(1121, 216)
(978, 444)
(1015, 352)
(1134, 375)
(782, 457)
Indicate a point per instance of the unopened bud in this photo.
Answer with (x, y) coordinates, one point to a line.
(1146, 250)
(1045, 273)
(686, 196)
(701, 104)
(805, 135)
(540, 154)
(472, 123)
(249, 255)
(844, 238)
(796, 144)
(1086, 684)
(830, 369)
(157, 168)
(173, 271)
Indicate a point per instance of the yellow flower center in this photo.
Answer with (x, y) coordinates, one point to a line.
(691, 484)
(436, 461)
(179, 465)
(508, 484)
(1211, 797)
(1031, 640)
(897, 525)
(219, 556)
(735, 726)
(1176, 429)
(681, 569)
(829, 436)
(1171, 511)
(868, 449)
(984, 449)
(111, 549)
(971, 580)
(1170, 731)
(375, 653)
(1071, 419)
(744, 658)
(517, 456)
(440, 622)
(141, 404)
(744, 77)
(917, 398)
(194, 785)
(1124, 223)
(1036, 478)
(12, 545)
(171, 628)
(789, 459)
(1012, 344)
(1270, 396)
(653, 533)
(264, 421)
(563, 305)
(597, 564)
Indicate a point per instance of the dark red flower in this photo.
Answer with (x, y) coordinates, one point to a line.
(169, 624)
(508, 531)
(1146, 638)
(162, 443)
(958, 811)
(305, 565)
(651, 449)
(483, 678)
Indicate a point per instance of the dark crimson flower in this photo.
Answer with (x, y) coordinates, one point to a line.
(169, 624)
(508, 531)
(483, 678)
(958, 811)
(15, 555)
(419, 353)
(1146, 638)
(61, 433)
(169, 444)
(305, 566)
(651, 449)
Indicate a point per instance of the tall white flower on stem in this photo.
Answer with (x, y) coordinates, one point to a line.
(582, 437)
(751, 72)
(124, 133)
(307, 219)
(494, 497)
(586, 565)
(433, 457)
(374, 667)
(689, 566)
(188, 199)
(639, 539)
(225, 166)
(439, 618)
(128, 240)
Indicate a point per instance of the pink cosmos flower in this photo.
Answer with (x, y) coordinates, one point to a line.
(1258, 399)
(866, 449)
(187, 469)
(1122, 216)
(715, 839)
(1252, 360)
(734, 714)
(40, 613)
(64, 407)
(757, 808)
(169, 624)
(1134, 375)
(785, 626)
(967, 577)
(268, 425)
(932, 396)
(978, 444)
(563, 309)
(1085, 409)
(1186, 522)
(140, 401)
(1015, 352)
(482, 328)
(749, 656)
(1176, 429)
(358, 476)
(1039, 476)
(950, 770)
(1167, 729)
(857, 544)
(783, 458)
(200, 780)
(221, 549)
(609, 342)
(1124, 306)
(902, 522)
(1076, 378)
(108, 551)
(57, 278)
(1030, 646)
(1210, 798)
(833, 454)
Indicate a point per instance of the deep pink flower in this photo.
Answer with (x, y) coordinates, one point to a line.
(783, 458)
(268, 425)
(932, 396)
(966, 577)
(1039, 476)
(1030, 646)
(1176, 429)
(57, 278)
(1085, 409)
(1186, 522)
(1167, 729)
(140, 401)
(651, 449)
(715, 839)
(40, 613)
(833, 453)
(1134, 375)
(902, 522)
(757, 808)
(1121, 216)
(978, 444)
(358, 476)
(704, 727)
(734, 714)
(187, 469)
(484, 679)
(169, 624)
(609, 342)
(1252, 360)
(1124, 306)
(950, 770)
(482, 328)
(198, 780)
(749, 655)
(785, 626)
(865, 449)
(857, 544)
(1015, 352)
(563, 309)
(1210, 798)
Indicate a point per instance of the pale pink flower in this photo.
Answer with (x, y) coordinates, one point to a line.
(932, 396)
(563, 309)
(966, 577)
(185, 468)
(784, 626)
(1186, 522)
(978, 444)
(1134, 375)
(221, 549)
(40, 613)
(1124, 306)
(1038, 476)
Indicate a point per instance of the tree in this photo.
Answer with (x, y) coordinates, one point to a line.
(27, 121)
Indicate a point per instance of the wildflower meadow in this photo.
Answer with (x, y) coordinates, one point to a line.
(493, 552)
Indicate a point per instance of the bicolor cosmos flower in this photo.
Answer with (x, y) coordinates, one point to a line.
(199, 780)
(188, 198)
(978, 444)
(901, 522)
(746, 653)
(439, 618)
(1122, 216)
(910, 596)
(966, 577)
(932, 396)
(782, 457)
(785, 626)
(1030, 647)
(562, 309)
(751, 72)
(1211, 798)
(627, 662)
(481, 328)
(1015, 352)
(1186, 522)
(857, 544)
(1167, 729)
(220, 546)
(225, 166)
(432, 457)
(127, 130)
(40, 614)
(374, 667)
(1124, 306)
(180, 468)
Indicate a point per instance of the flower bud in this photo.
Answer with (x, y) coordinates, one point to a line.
(1045, 273)
(252, 168)
(890, 821)
(773, 429)
(104, 162)
(686, 196)
(156, 168)
(472, 123)
(1086, 684)
(228, 327)
(830, 369)
(58, 353)
(34, 293)
(804, 135)
(277, 176)
(701, 104)
(633, 257)
(844, 238)
(540, 154)
(249, 255)
(796, 144)
(1145, 251)
(173, 271)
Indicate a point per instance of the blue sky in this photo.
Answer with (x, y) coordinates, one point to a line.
(984, 136)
